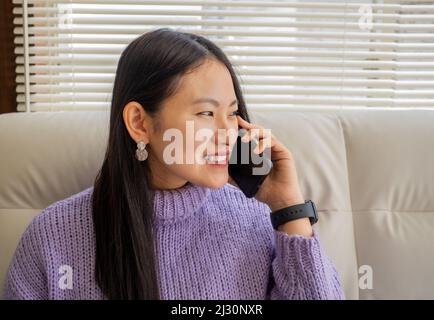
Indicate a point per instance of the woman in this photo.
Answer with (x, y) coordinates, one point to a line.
(151, 229)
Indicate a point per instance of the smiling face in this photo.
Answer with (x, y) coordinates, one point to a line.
(197, 122)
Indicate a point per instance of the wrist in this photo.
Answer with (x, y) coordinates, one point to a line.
(285, 202)
(299, 219)
(299, 226)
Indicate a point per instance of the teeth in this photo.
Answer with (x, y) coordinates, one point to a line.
(215, 158)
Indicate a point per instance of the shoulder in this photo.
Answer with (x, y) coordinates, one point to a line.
(49, 238)
(71, 214)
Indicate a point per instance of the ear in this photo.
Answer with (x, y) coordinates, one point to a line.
(137, 121)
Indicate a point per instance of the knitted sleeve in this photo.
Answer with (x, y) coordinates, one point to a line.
(300, 270)
(26, 279)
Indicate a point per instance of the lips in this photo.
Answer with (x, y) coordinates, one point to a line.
(215, 158)
(219, 157)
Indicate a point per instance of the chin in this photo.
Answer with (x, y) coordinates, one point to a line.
(213, 182)
(217, 185)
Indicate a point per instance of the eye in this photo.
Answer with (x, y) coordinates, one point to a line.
(206, 113)
(235, 113)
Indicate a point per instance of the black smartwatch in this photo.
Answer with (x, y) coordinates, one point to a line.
(298, 211)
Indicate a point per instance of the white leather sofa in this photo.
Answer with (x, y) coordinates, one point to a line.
(369, 171)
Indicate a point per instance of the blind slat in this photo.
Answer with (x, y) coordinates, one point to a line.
(226, 13)
(371, 83)
(380, 65)
(117, 49)
(134, 31)
(227, 22)
(403, 5)
(421, 75)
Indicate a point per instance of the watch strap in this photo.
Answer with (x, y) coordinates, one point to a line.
(298, 211)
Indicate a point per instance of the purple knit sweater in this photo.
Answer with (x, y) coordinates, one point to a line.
(210, 243)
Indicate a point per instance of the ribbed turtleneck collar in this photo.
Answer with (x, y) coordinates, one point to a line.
(178, 204)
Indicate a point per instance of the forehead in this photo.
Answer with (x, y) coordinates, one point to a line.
(211, 79)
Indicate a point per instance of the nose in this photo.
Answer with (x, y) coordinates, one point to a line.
(226, 133)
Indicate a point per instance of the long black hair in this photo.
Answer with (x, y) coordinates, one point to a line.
(148, 72)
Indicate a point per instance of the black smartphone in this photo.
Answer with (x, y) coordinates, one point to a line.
(247, 168)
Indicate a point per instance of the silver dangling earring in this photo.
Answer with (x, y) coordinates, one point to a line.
(141, 152)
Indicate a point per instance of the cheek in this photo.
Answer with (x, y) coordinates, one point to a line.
(212, 135)
(194, 138)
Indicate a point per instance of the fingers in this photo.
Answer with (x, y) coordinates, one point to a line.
(263, 144)
(246, 125)
(263, 137)
(243, 123)
(256, 133)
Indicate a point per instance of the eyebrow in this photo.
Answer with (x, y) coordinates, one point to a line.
(212, 101)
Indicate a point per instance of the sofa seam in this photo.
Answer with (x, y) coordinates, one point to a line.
(350, 196)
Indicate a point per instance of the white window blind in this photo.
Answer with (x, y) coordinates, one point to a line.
(287, 53)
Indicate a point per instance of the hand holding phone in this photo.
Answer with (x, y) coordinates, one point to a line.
(248, 169)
